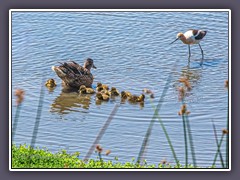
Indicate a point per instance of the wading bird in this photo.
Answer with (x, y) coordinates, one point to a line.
(190, 37)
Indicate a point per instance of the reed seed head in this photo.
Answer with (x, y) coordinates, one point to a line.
(225, 131)
(99, 148)
(226, 84)
(19, 93)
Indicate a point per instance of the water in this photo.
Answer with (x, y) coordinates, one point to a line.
(131, 51)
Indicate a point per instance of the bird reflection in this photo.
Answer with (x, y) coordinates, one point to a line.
(191, 74)
(187, 81)
(69, 101)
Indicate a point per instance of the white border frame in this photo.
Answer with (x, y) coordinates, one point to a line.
(116, 10)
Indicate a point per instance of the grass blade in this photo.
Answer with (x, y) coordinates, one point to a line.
(218, 150)
(14, 127)
(167, 137)
(191, 141)
(216, 138)
(185, 140)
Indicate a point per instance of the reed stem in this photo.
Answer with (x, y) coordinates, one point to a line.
(166, 135)
(185, 140)
(218, 150)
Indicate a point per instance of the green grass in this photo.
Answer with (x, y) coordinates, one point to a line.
(24, 156)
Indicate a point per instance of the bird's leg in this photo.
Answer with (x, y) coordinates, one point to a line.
(189, 52)
(201, 50)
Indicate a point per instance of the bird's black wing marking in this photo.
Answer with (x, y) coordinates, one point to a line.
(200, 35)
(194, 32)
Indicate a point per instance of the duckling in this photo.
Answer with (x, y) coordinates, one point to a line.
(102, 97)
(147, 91)
(84, 90)
(134, 98)
(125, 94)
(101, 86)
(141, 98)
(104, 91)
(51, 83)
(114, 92)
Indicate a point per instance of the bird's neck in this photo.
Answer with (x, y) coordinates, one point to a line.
(184, 40)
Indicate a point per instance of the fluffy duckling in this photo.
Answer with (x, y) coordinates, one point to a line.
(104, 91)
(147, 91)
(125, 94)
(101, 86)
(134, 98)
(51, 83)
(84, 90)
(114, 92)
(102, 97)
(141, 98)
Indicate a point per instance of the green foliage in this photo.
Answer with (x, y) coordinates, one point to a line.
(26, 157)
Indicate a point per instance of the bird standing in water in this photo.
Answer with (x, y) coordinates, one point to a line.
(190, 37)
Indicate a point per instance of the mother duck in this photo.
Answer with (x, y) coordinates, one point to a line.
(73, 75)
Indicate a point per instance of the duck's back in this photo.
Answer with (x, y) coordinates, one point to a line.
(74, 75)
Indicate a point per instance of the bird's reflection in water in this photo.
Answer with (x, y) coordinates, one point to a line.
(71, 101)
(191, 74)
(187, 79)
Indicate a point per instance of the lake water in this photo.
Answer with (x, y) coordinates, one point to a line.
(131, 51)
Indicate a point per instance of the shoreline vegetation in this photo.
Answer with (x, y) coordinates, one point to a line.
(24, 156)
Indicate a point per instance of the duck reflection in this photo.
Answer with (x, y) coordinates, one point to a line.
(71, 101)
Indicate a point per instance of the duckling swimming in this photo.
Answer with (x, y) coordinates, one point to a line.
(102, 97)
(141, 98)
(51, 83)
(104, 91)
(101, 86)
(73, 75)
(125, 94)
(134, 98)
(84, 90)
(114, 92)
(147, 91)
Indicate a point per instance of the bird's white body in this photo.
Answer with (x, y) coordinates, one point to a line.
(191, 38)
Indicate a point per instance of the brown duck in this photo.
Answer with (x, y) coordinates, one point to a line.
(73, 75)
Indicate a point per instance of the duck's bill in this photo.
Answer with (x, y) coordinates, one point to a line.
(174, 41)
(94, 66)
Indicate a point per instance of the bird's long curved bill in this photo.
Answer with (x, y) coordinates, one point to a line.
(174, 40)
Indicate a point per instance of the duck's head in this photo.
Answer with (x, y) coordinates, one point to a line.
(88, 64)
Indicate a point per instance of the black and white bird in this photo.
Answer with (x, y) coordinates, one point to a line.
(190, 37)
